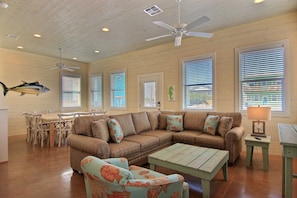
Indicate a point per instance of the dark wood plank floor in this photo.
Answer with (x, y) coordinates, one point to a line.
(33, 171)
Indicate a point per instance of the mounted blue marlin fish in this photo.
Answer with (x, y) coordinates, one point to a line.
(26, 88)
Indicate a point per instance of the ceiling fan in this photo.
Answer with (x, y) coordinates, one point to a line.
(61, 66)
(182, 29)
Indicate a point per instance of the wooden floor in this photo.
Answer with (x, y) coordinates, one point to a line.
(32, 171)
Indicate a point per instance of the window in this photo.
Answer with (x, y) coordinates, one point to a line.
(71, 91)
(198, 83)
(118, 90)
(262, 72)
(95, 91)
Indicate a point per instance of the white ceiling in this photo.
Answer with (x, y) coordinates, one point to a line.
(75, 25)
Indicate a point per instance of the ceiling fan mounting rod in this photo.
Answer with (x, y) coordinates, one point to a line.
(178, 10)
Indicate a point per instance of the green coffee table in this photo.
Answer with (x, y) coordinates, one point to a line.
(200, 162)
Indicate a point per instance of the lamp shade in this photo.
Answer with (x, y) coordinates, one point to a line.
(259, 113)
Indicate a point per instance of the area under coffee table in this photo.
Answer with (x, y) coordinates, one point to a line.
(200, 162)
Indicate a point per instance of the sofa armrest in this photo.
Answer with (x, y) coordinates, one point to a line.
(90, 145)
(234, 134)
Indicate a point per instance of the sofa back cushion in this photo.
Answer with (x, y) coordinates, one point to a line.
(100, 130)
(163, 119)
(235, 115)
(153, 117)
(83, 125)
(194, 120)
(141, 122)
(125, 120)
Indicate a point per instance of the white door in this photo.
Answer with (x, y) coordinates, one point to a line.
(150, 92)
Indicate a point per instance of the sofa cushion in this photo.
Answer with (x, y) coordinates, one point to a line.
(175, 123)
(146, 142)
(83, 125)
(187, 137)
(126, 123)
(100, 130)
(211, 124)
(163, 136)
(154, 119)
(225, 124)
(115, 130)
(211, 141)
(124, 149)
(141, 122)
(194, 120)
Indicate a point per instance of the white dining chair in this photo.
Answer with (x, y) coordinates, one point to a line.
(63, 127)
(40, 130)
(28, 120)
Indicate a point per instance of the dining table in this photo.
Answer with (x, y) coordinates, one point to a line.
(54, 118)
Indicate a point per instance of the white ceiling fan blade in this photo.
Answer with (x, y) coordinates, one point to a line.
(54, 68)
(197, 22)
(200, 34)
(158, 37)
(74, 67)
(164, 25)
(68, 69)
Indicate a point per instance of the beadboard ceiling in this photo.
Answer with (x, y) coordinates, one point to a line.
(75, 25)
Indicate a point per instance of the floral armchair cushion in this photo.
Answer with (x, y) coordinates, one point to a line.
(113, 178)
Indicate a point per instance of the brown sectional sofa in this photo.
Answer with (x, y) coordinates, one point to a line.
(145, 133)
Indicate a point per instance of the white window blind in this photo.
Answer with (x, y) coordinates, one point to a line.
(262, 75)
(96, 91)
(71, 91)
(198, 83)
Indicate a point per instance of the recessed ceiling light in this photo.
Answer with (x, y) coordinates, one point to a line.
(20, 47)
(37, 35)
(96, 51)
(105, 29)
(74, 58)
(3, 4)
(258, 1)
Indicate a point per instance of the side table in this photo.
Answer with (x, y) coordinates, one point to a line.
(250, 142)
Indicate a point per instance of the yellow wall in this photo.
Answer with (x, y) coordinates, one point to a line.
(166, 59)
(16, 67)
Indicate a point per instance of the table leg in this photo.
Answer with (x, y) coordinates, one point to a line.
(265, 157)
(205, 188)
(152, 166)
(288, 177)
(283, 174)
(225, 171)
(249, 155)
(52, 134)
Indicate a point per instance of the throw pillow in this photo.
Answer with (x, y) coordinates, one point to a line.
(115, 130)
(175, 123)
(211, 124)
(100, 130)
(225, 125)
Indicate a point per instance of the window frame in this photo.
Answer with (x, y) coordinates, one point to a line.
(111, 91)
(199, 57)
(91, 102)
(62, 91)
(286, 85)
